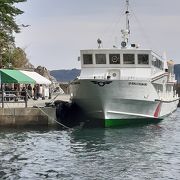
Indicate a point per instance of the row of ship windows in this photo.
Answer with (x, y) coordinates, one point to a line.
(127, 59)
(115, 59)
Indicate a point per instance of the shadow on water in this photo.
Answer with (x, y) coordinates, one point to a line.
(140, 137)
(99, 138)
(119, 152)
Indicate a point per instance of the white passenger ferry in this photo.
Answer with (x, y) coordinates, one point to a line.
(124, 85)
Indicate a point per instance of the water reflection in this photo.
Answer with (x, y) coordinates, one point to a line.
(116, 150)
(143, 152)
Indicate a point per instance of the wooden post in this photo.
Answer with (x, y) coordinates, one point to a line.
(26, 98)
(2, 97)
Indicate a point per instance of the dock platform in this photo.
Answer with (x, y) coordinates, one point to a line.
(35, 114)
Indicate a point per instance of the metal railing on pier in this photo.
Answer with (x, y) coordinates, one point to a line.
(17, 97)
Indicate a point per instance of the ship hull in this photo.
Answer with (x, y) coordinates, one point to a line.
(119, 102)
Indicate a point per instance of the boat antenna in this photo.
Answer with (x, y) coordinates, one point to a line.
(126, 32)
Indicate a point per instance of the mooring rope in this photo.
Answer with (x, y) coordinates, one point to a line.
(47, 114)
(53, 118)
(12, 112)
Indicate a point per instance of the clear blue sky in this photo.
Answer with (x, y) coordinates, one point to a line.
(60, 28)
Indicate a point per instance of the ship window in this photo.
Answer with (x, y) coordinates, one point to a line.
(114, 58)
(158, 63)
(129, 58)
(87, 59)
(100, 58)
(143, 59)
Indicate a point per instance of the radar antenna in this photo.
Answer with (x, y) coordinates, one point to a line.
(99, 41)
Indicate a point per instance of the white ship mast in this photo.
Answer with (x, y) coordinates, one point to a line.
(126, 32)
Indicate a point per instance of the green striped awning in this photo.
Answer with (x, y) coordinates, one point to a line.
(14, 76)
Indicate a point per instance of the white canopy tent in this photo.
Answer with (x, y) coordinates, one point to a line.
(37, 77)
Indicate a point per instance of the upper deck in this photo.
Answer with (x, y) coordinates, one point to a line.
(120, 58)
(126, 63)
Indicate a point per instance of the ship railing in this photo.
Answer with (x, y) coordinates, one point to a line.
(167, 95)
(134, 78)
(120, 78)
(91, 77)
(171, 78)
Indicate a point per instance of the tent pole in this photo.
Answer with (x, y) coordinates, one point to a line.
(2, 90)
(26, 98)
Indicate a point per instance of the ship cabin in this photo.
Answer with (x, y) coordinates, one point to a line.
(125, 64)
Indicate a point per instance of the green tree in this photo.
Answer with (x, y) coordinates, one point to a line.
(18, 58)
(8, 25)
(8, 13)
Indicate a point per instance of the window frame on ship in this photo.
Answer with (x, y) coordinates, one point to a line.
(87, 59)
(114, 58)
(143, 59)
(128, 58)
(100, 58)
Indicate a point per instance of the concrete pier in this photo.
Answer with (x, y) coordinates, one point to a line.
(36, 114)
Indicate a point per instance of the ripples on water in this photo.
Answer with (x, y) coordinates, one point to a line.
(144, 152)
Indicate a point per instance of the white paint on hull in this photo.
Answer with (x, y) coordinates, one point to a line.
(120, 99)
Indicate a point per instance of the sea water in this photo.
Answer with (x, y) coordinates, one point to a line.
(142, 152)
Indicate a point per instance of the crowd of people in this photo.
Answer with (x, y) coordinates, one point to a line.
(30, 91)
